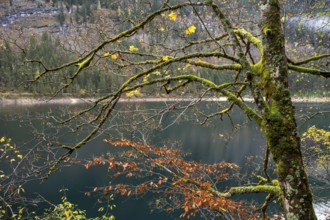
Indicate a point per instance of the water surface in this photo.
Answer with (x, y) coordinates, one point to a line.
(231, 139)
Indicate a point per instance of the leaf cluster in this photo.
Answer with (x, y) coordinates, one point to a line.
(69, 211)
(316, 150)
(182, 185)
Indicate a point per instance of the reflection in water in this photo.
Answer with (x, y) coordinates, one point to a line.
(228, 139)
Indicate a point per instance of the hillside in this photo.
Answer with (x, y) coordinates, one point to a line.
(55, 31)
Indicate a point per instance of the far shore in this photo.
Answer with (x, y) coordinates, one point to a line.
(75, 100)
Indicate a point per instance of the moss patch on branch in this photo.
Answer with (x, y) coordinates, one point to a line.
(273, 189)
(309, 70)
(254, 40)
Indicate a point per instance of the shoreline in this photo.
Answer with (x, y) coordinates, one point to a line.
(75, 100)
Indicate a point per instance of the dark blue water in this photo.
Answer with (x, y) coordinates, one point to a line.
(231, 139)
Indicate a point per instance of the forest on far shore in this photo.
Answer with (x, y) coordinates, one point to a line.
(77, 19)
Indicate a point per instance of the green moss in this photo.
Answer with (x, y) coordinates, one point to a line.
(292, 216)
(261, 179)
(258, 68)
(275, 182)
(254, 40)
(267, 31)
(265, 77)
(275, 190)
(280, 168)
(290, 178)
(302, 69)
(274, 114)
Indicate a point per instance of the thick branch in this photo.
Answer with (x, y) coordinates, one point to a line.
(252, 39)
(271, 189)
(312, 71)
(214, 66)
(309, 59)
(189, 78)
(249, 111)
(246, 67)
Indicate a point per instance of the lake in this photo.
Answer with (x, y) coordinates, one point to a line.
(231, 139)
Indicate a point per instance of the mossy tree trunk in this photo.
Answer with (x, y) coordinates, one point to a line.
(278, 121)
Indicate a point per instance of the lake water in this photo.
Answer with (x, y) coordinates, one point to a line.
(231, 139)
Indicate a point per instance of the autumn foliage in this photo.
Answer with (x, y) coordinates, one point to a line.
(316, 151)
(180, 184)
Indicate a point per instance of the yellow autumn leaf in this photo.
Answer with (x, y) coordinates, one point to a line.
(188, 65)
(172, 16)
(67, 214)
(224, 210)
(166, 58)
(135, 92)
(106, 54)
(162, 29)
(157, 73)
(190, 30)
(114, 56)
(133, 48)
(163, 14)
(20, 156)
(146, 78)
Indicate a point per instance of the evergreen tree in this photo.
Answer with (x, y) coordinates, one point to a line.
(61, 15)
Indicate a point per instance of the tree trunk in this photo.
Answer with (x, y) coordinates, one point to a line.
(279, 123)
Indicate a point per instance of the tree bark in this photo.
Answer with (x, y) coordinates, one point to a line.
(278, 121)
